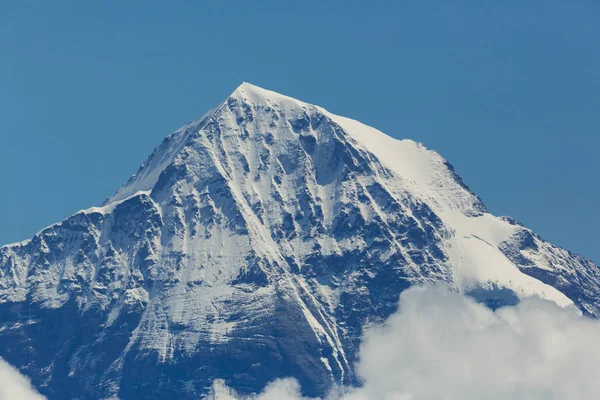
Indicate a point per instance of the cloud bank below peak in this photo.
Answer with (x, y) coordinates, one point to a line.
(443, 345)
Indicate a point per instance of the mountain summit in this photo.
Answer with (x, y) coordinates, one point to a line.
(257, 243)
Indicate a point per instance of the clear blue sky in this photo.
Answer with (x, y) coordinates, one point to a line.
(508, 91)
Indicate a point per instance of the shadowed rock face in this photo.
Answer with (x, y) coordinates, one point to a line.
(253, 244)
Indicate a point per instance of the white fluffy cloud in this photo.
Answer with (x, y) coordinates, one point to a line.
(441, 345)
(282, 389)
(14, 386)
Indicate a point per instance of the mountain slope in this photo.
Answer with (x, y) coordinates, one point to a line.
(253, 244)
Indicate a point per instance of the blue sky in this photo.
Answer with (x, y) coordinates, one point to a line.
(507, 91)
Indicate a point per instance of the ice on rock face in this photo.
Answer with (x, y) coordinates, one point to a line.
(253, 244)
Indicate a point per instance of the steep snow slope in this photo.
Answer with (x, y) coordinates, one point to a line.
(474, 251)
(253, 244)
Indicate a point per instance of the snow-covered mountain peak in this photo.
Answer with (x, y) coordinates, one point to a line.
(405, 158)
(260, 144)
(256, 243)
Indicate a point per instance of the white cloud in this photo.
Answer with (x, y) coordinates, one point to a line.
(282, 389)
(14, 386)
(441, 345)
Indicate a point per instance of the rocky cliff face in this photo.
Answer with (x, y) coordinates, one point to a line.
(253, 244)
